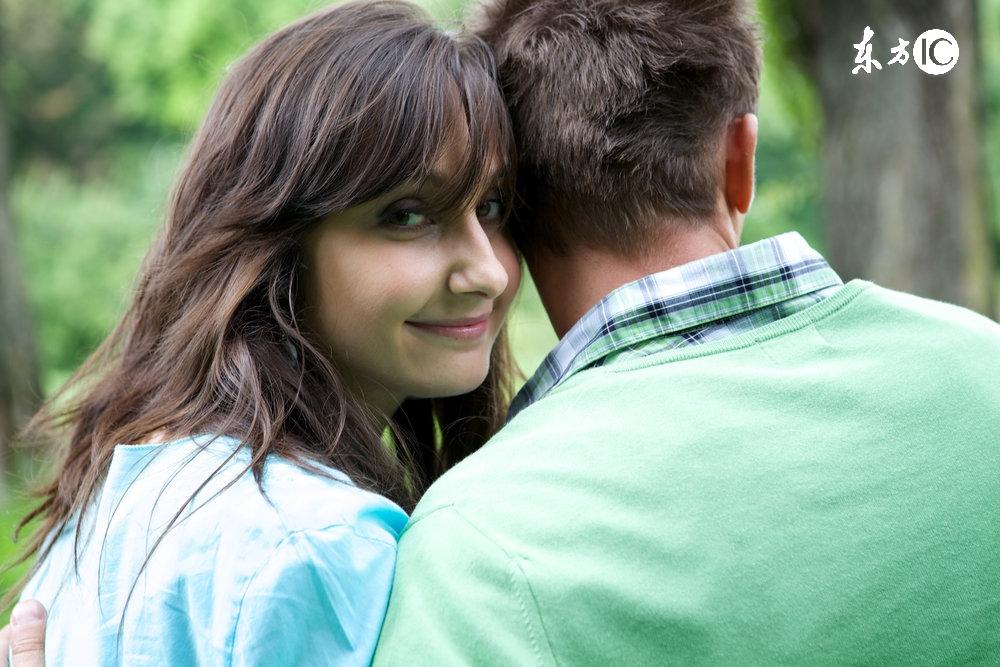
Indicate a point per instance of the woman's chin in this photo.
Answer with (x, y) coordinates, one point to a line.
(453, 385)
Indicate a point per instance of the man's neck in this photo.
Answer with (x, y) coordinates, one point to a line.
(572, 284)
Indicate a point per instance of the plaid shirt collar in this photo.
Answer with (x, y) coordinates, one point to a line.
(686, 297)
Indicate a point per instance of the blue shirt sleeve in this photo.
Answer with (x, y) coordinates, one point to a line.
(318, 600)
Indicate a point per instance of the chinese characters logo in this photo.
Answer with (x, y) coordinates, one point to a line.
(934, 51)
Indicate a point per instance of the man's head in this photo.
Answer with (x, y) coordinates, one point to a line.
(623, 112)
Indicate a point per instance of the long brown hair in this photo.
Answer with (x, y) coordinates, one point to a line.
(327, 113)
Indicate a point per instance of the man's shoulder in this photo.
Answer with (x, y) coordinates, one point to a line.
(517, 459)
(478, 475)
(564, 437)
(942, 312)
(932, 333)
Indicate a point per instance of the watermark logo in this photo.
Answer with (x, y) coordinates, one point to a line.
(934, 52)
(864, 58)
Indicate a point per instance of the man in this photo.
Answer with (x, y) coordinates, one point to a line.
(730, 456)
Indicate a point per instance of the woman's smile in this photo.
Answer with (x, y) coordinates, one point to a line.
(462, 329)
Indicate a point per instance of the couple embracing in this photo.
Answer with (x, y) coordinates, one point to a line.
(298, 445)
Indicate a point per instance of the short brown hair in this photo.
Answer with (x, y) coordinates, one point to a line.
(618, 108)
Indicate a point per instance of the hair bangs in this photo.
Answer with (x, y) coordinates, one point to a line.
(477, 148)
(432, 116)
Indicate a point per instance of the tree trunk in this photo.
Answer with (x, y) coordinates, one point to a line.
(19, 387)
(904, 198)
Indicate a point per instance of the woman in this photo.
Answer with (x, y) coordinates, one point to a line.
(316, 335)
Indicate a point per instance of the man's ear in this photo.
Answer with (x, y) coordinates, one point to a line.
(741, 143)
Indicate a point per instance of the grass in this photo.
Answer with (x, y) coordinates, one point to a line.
(15, 506)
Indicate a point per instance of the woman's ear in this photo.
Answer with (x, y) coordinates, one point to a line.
(741, 143)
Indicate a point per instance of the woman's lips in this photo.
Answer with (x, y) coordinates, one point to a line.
(466, 329)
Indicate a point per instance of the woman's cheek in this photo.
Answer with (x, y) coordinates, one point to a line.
(413, 275)
(504, 251)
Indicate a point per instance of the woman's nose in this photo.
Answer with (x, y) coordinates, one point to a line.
(476, 267)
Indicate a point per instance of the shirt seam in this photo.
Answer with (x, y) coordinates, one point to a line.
(230, 643)
(515, 566)
(534, 600)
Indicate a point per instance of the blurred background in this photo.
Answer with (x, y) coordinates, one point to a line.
(893, 175)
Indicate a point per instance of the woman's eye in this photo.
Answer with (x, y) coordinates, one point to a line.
(404, 218)
(407, 219)
(490, 209)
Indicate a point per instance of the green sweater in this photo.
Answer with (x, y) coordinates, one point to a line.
(822, 489)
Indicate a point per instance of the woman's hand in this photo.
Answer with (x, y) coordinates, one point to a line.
(24, 639)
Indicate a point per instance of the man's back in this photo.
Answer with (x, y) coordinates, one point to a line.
(823, 488)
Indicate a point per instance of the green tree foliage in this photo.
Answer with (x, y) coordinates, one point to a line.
(81, 242)
(166, 57)
(57, 101)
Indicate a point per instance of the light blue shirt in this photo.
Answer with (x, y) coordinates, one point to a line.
(301, 580)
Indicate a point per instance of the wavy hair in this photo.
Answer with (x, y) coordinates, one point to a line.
(327, 113)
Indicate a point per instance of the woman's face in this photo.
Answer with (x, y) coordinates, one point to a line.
(409, 305)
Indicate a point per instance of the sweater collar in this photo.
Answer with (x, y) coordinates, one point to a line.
(685, 297)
